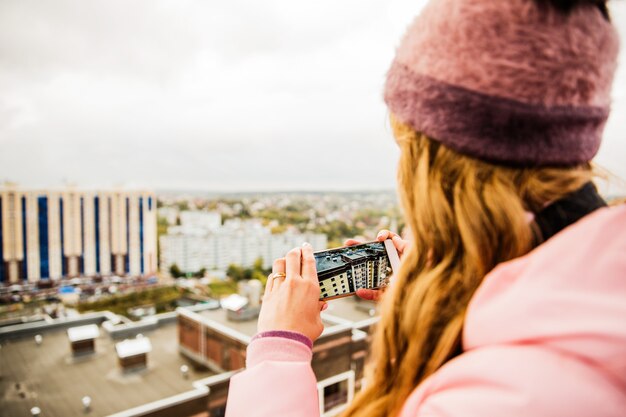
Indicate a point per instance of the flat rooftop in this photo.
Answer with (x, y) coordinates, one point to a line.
(247, 329)
(334, 258)
(49, 377)
(323, 264)
(351, 308)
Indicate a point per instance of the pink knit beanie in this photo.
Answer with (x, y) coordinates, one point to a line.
(510, 81)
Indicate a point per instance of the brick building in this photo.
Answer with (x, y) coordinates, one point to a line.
(210, 339)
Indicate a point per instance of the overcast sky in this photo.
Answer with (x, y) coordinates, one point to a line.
(223, 96)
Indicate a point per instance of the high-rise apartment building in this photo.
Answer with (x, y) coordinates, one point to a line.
(48, 234)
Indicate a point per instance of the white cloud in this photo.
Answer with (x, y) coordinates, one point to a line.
(204, 94)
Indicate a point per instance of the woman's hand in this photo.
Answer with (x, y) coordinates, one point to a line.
(400, 244)
(291, 299)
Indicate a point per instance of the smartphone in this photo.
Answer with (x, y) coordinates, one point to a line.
(342, 271)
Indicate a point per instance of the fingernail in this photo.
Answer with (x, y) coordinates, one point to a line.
(306, 245)
(379, 234)
(325, 306)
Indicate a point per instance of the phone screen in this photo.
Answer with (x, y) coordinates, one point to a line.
(342, 271)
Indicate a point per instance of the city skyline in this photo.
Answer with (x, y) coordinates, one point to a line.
(210, 96)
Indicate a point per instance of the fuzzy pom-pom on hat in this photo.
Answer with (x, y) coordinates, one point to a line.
(514, 82)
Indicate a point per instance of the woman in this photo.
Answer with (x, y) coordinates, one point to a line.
(511, 299)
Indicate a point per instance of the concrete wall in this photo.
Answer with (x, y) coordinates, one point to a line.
(31, 329)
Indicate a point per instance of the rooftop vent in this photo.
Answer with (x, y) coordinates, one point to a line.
(82, 339)
(86, 400)
(184, 370)
(234, 302)
(240, 308)
(133, 353)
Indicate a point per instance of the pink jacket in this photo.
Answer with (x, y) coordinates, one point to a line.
(544, 336)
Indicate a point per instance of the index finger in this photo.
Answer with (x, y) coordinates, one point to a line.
(399, 243)
(309, 269)
(385, 234)
(351, 242)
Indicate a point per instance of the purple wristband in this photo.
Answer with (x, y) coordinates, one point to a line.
(285, 334)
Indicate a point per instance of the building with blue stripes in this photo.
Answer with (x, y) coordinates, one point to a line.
(71, 233)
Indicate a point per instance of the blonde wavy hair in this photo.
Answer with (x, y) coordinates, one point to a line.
(465, 217)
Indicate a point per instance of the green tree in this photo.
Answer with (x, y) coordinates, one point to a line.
(258, 264)
(239, 273)
(161, 230)
(162, 226)
(176, 272)
(200, 273)
(182, 205)
(235, 272)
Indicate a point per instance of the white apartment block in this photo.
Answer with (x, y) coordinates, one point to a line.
(203, 220)
(55, 234)
(236, 242)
